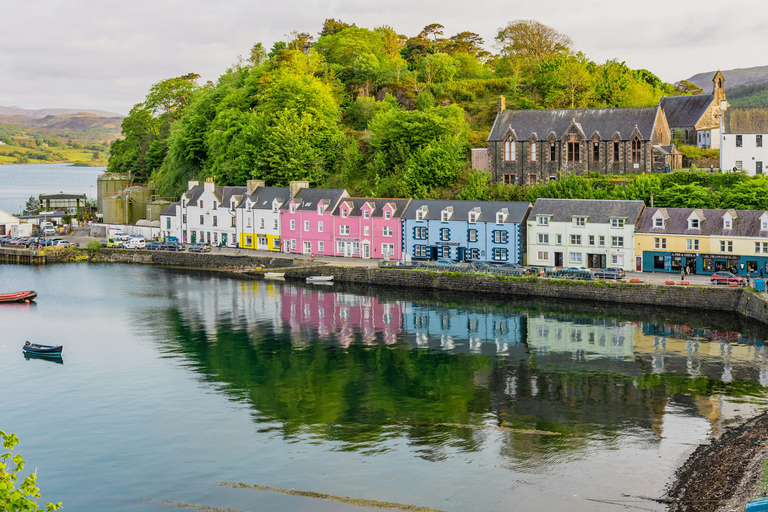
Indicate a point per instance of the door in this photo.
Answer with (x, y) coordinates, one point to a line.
(193, 236)
(558, 259)
(348, 252)
(307, 247)
(224, 239)
(366, 250)
(639, 264)
(758, 167)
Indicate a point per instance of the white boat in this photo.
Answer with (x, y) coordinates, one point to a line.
(319, 279)
(273, 275)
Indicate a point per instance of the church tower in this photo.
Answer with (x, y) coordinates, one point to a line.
(718, 89)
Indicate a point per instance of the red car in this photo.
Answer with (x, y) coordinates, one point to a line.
(725, 278)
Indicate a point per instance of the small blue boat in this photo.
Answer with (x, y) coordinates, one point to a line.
(759, 505)
(43, 350)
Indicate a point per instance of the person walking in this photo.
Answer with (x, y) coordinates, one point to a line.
(761, 272)
(748, 276)
(682, 273)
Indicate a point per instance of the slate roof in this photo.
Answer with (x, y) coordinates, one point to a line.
(194, 194)
(263, 197)
(606, 121)
(223, 193)
(308, 198)
(685, 110)
(745, 120)
(378, 205)
(598, 210)
(461, 209)
(170, 210)
(746, 223)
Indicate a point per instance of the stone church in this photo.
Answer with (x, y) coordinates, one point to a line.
(532, 146)
(696, 119)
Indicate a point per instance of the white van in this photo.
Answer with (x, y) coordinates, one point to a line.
(47, 229)
(135, 243)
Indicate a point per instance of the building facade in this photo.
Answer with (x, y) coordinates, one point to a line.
(533, 146)
(306, 224)
(488, 231)
(258, 216)
(583, 232)
(695, 119)
(208, 213)
(744, 131)
(369, 228)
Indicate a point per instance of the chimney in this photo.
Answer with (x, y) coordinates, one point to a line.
(296, 186)
(209, 185)
(192, 184)
(252, 185)
(651, 200)
(501, 105)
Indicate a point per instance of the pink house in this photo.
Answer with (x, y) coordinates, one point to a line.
(369, 228)
(306, 226)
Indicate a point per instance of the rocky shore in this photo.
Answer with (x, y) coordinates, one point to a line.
(726, 474)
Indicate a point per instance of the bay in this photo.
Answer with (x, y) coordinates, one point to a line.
(21, 181)
(173, 380)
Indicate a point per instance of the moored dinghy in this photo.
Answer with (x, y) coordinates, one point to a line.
(18, 297)
(43, 350)
(274, 275)
(320, 279)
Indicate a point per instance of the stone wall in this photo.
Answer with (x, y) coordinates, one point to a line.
(702, 298)
(195, 260)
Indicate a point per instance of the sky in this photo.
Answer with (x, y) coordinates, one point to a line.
(104, 54)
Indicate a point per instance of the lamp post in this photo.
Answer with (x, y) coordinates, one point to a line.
(149, 217)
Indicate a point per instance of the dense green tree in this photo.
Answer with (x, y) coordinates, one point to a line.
(333, 26)
(32, 207)
(346, 46)
(531, 39)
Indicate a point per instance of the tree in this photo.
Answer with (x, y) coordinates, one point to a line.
(392, 42)
(531, 40)
(684, 87)
(23, 498)
(258, 55)
(465, 42)
(332, 27)
(300, 41)
(32, 207)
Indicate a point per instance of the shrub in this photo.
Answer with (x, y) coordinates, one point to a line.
(93, 246)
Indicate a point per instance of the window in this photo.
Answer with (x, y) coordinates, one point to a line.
(366, 214)
(601, 238)
(595, 151)
(636, 151)
(758, 141)
(202, 220)
(387, 231)
(727, 224)
(293, 225)
(306, 225)
(575, 239)
(320, 246)
(293, 208)
(366, 231)
(420, 233)
(617, 223)
(262, 223)
(343, 213)
(444, 216)
(509, 150)
(509, 179)
(738, 141)
(659, 243)
(580, 221)
(573, 152)
(559, 239)
(215, 221)
(499, 218)
(344, 229)
(472, 235)
(446, 252)
(543, 238)
(277, 224)
(307, 247)
(320, 209)
(592, 240)
(542, 221)
(319, 226)
(387, 215)
(293, 244)
(532, 179)
(387, 249)
(692, 244)
(234, 220)
(658, 222)
(694, 224)
(542, 256)
(201, 204)
(552, 152)
(474, 253)
(739, 165)
(617, 260)
(420, 251)
(726, 246)
(249, 222)
(499, 254)
(445, 234)
(763, 224)
(184, 218)
(765, 247)
(499, 237)
(533, 151)
(576, 257)
(248, 241)
(214, 205)
(617, 241)
(615, 151)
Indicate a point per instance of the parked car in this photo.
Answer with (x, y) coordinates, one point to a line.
(480, 264)
(154, 246)
(62, 243)
(172, 246)
(445, 262)
(515, 266)
(50, 241)
(610, 273)
(725, 278)
(576, 272)
(135, 243)
(200, 247)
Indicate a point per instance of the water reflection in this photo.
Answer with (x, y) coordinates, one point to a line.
(359, 369)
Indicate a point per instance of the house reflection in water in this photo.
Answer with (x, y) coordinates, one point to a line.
(585, 338)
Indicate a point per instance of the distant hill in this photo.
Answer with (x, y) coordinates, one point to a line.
(82, 127)
(45, 112)
(733, 77)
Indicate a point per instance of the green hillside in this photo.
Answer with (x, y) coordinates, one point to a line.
(371, 110)
(753, 95)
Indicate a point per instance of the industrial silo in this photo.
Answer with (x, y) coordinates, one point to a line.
(114, 210)
(109, 185)
(139, 198)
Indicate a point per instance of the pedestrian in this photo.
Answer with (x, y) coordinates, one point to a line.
(682, 273)
(761, 272)
(748, 276)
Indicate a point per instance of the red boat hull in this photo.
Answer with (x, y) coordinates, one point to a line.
(17, 297)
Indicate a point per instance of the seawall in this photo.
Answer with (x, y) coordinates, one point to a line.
(703, 298)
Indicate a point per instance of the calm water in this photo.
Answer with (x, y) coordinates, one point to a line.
(22, 181)
(172, 381)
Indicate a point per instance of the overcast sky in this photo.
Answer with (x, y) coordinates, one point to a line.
(104, 54)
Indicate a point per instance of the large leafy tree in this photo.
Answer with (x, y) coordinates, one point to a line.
(531, 39)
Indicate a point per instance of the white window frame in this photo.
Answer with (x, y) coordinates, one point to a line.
(542, 220)
(320, 246)
(306, 226)
(319, 226)
(344, 229)
(386, 231)
(544, 238)
(576, 257)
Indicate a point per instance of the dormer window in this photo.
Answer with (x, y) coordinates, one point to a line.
(542, 220)
(499, 218)
(617, 223)
(444, 217)
(293, 208)
(366, 214)
(763, 224)
(727, 223)
(509, 150)
(658, 222)
(343, 213)
(472, 217)
(580, 221)
(446, 214)
(387, 215)
(183, 203)
(320, 209)
(232, 207)
(421, 213)
(693, 224)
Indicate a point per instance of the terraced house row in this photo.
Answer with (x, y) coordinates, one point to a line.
(552, 233)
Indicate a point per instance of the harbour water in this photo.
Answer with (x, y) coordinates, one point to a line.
(20, 182)
(179, 386)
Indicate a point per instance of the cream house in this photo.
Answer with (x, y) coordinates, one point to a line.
(582, 233)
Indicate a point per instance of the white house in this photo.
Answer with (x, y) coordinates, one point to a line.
(742, 146)
(169, 222)
(258, 216)
(209, 213)
(583, 233)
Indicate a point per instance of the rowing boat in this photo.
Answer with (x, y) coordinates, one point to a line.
(43, 350)
(18, 296)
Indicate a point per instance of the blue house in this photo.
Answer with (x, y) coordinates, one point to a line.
(465, 230)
